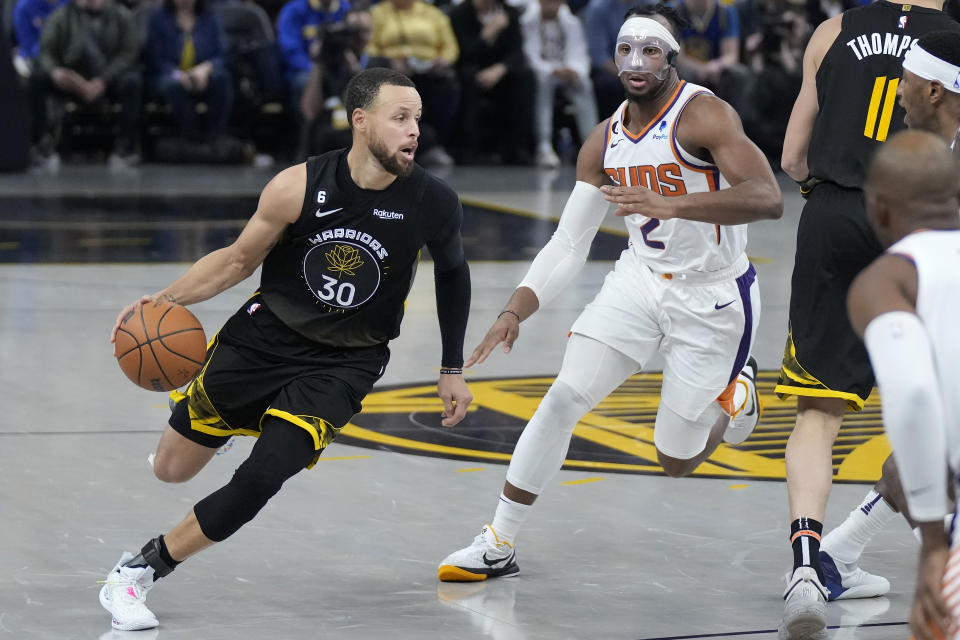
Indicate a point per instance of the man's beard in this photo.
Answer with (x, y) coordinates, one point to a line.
(387, 160)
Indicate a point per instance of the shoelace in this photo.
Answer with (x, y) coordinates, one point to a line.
(140, 589)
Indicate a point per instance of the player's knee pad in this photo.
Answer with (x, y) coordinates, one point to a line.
(681, 438)
(590, 371)
(562, 407)
(543, 445)
(593, 369)
(280, 453)
(223, 512)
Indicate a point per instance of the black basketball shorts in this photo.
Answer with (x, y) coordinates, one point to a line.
(257, 367)
(823, 356)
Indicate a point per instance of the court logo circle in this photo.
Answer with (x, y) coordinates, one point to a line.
(341, 274)
(616, 436)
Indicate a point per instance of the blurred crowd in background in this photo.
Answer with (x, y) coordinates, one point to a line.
(503, 81)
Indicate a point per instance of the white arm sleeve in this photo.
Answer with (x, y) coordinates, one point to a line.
(902, 359)
(563, 256)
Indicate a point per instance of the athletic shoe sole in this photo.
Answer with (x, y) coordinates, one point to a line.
(451, 573)
(804, 625)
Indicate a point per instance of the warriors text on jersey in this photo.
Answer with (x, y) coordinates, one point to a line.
(936, 255)
(857, 86)
(341, 273)
(651, 157)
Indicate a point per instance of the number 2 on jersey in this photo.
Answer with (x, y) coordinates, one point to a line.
(647, 229)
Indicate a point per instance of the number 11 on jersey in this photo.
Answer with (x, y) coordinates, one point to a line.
(874, 111)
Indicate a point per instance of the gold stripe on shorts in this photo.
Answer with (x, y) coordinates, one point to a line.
(797, 381)
(322, 432)
(204, 417)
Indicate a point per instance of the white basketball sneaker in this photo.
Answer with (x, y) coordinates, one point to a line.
(846, 581)
(124, 595)
(805, 607)
(487, 557)
(747, 416)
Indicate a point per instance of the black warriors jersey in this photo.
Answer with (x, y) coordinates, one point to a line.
(857, 87)
(341, 273)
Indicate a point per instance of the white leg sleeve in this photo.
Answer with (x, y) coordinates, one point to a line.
(681, 438)
(590, 372)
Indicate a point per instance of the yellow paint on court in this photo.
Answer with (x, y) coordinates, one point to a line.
(621, 424)
(583, 481)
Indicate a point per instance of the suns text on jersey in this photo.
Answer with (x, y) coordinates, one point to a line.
(665, 179)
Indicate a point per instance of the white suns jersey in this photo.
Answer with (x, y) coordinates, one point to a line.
(652, 158)
(936, 255)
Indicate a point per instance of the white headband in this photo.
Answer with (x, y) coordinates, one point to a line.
(929, 67)
(640, 27)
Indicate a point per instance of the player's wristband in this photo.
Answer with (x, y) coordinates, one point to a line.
(807, 185)
(451, 372)
(509, 311)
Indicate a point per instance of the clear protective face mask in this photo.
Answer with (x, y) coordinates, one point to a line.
(643, 55)
(645, 46)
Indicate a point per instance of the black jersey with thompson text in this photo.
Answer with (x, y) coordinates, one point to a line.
(857, 86)
(341, 273)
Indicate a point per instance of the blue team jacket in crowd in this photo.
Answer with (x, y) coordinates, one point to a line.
(165, 41)
(299, 24)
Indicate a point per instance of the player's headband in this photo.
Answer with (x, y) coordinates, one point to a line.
(639, 27)
(929, 67)
(645, 46)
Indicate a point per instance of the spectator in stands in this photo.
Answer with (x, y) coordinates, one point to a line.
(300, 27)
(774, 53)
(29, 17)
(820, 10)
(185, 65)
(602, 22)
(710, 53)
(496, 83)
(344, 54)
(556, 50)
(416, 39)
(252, 52)
(88, 53)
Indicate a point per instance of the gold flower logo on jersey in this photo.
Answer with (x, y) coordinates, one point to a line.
(344, 259)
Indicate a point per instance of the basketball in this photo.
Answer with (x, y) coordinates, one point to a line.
(160, 346)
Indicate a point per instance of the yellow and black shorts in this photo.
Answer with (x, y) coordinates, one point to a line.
(824, 357)
(257, 367)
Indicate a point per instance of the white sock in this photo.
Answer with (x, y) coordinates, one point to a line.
(508, 519)
(846, 542)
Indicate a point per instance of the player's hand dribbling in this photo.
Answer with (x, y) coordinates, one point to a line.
(630, 200)
(127, 310)
(505, 329)
(456, 397)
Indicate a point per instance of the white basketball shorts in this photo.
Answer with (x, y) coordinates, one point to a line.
(703, 323)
